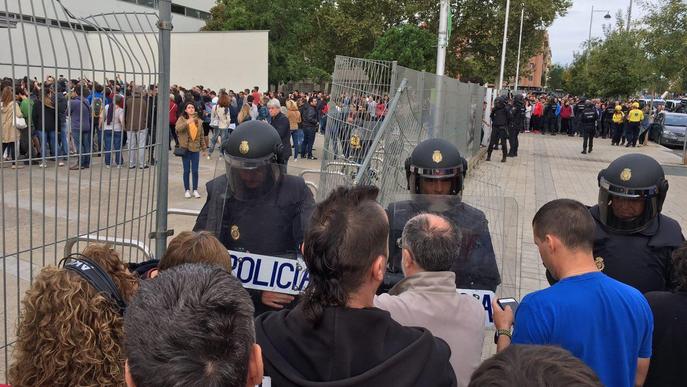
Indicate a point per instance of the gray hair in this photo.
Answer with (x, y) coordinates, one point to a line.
(433, 247)
(273, 103)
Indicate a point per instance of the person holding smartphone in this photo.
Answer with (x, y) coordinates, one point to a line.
(604, 322)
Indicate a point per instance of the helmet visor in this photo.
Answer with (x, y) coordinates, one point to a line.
(252, 178)
(627, 210)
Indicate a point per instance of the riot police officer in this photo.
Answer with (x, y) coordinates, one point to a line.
(634, 241)
(500, 121)
(517, 124)
(588, 124)
(435, 173)
(256, 207)
(578, 108)
(607, 119)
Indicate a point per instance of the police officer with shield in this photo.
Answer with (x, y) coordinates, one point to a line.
(435, 172)
(256, 207)
(634, 241)
(517, 124)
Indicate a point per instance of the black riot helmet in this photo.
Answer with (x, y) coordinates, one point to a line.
(435, 159)
(634, 177)
(252, 158)
(588, 104)
(499, 103)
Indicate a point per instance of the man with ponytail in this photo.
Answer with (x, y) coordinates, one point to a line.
(335, 336)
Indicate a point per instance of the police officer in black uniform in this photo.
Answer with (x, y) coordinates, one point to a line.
(436, 168)
(607, 119)
(588, 123)
(500, 121)
(517, 124)
(256, 207)
(633, 242)
(577, 111)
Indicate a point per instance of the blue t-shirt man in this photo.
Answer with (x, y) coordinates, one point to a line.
(604, 322)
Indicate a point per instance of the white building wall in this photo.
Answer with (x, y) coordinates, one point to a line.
(85, 8)
(207, 58)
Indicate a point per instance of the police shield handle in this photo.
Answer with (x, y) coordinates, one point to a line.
(276, 300)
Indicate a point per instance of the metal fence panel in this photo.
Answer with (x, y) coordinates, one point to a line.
(363, 147)
(45, 210)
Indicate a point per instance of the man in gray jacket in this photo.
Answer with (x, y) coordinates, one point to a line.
(427, 296)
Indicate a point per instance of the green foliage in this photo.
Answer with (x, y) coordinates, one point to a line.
(409, 45)
(665, 42)
(306, 35)
(617, 67)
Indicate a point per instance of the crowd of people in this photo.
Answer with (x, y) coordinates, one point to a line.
(186, 320)
(625, 123)
(49, 121)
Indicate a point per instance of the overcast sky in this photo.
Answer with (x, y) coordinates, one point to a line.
(569, 32)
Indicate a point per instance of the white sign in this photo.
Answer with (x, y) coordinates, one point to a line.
(276, 274)
(484, 297)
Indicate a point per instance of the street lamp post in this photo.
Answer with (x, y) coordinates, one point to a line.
(503, 47)
(629, 16)
(517, 66)
(591, 18)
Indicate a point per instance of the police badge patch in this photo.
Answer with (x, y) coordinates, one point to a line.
(599, 261)
(244, 148)
(626, 174)
(235, 234)
(437, 156)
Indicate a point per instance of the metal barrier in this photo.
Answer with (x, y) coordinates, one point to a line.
(122, 242)
(61, 67)
(371, 132)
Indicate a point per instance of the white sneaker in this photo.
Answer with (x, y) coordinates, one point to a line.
(209, 157)
(187, 194)
(42, 165)
(61, 164)
(195, 194)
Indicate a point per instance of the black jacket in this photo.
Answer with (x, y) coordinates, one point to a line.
(44, 117)
(643, 259)
(309, 116)
(500, 117)
(350, 347)
(589, 117)
(281, 124)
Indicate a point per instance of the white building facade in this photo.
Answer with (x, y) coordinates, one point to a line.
(48, 37)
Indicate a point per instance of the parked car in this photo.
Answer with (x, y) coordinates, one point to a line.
(669, 129)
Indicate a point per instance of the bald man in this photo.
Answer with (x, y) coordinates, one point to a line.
(427, 296)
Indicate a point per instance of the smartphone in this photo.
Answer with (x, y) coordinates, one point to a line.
(503, 302)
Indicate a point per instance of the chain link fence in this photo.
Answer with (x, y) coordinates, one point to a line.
(56, 190)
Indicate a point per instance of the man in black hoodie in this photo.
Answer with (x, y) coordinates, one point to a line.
(334, 336)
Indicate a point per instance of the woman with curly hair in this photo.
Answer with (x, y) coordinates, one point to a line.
(68, 333)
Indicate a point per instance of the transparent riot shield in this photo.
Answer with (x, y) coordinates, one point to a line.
(259, 212)
(487, 262)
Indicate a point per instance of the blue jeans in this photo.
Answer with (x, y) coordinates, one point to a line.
(64, 145)
(82, 142)
(48, 139)
(190, 161)
(112, 144)
(297, 137)
(308, 141)
(217, 132)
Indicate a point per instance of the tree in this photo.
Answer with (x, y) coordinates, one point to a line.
(409, 45)
(289, 30)
(306, 35)
(665, 44)
(617, 66)
(556, 77)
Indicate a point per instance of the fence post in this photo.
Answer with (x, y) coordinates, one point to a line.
(165, 29)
